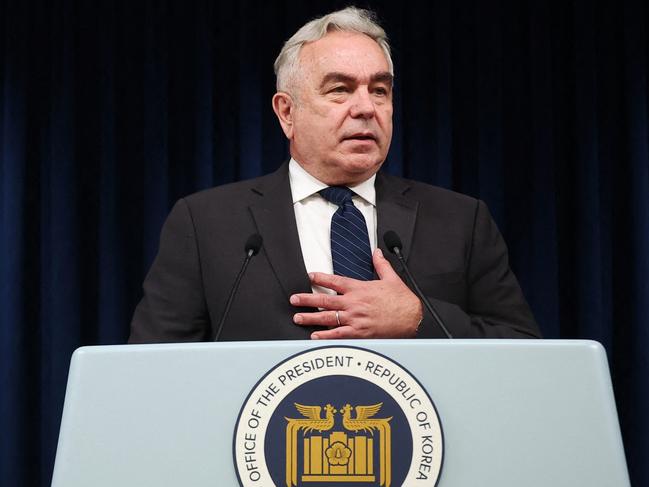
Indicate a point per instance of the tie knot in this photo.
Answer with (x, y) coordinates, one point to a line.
(338, 195)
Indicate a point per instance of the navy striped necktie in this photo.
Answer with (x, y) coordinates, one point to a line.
(350, 242)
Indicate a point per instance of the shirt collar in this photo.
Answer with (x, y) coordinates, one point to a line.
(304, 185)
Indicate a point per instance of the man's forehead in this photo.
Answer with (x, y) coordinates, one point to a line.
(345, 52)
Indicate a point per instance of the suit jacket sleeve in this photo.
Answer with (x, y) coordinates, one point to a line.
(173, 307)
(496, 307)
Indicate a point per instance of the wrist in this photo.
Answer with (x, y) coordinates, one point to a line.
(419, 319)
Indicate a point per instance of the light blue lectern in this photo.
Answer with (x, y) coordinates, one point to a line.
(512, 413)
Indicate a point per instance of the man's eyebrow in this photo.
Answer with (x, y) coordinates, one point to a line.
(381, 77)
(336, 77)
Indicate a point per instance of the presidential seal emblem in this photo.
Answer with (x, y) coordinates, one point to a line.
(338, 416)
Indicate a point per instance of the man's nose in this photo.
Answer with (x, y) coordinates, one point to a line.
(362, 104)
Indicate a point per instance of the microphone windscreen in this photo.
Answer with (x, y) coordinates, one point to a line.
(392, 240)
(254, 243)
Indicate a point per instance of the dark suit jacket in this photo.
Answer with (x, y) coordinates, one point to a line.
(450, 241)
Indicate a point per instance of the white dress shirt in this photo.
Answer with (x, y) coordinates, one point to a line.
(313, 217)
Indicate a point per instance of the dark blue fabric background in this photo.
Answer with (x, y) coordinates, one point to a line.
(110, 111)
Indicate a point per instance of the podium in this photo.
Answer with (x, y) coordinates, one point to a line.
(506, 413)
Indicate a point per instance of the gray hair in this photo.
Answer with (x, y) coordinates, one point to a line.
(350, 19)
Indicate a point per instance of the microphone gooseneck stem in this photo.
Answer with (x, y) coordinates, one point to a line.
(249, 255)
(397, 251)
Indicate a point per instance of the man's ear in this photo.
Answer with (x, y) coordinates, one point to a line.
(283, 106)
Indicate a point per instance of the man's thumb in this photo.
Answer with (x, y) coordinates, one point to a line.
(382, 265)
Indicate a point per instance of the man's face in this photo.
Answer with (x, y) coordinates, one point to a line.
(341, 115)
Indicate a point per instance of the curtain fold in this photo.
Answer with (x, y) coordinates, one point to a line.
(111, 111)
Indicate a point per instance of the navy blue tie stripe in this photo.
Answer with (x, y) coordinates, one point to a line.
(350, 242)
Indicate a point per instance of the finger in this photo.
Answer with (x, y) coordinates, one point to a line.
(318, 300)
(382, 266)
(340, 284)
(318, 318)
(338, 333)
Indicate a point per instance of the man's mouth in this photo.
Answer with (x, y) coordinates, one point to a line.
(360, 136)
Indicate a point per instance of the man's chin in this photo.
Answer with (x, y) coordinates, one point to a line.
(356, 168)
(361, 162)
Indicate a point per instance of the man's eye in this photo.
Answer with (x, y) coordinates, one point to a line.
(339, 89)
(381, 91)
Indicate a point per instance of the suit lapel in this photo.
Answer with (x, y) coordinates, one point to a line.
(395, 211)
(275, 220)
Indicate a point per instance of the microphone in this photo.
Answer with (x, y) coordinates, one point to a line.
(253, 244)
(394, 245)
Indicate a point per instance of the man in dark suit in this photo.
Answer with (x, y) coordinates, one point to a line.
(323, 271)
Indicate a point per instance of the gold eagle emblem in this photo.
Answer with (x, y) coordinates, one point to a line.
(344, 455)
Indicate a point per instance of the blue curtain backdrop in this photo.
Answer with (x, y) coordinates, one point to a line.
(110, 111)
